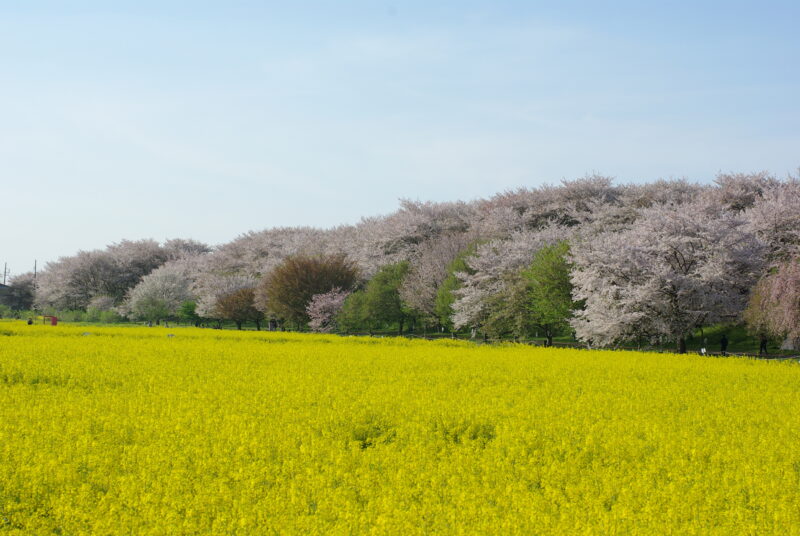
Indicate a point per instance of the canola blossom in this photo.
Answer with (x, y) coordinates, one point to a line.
(129, 430)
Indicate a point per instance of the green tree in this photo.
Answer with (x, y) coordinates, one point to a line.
(535, 300)
(549, 290)
(382, 296)
(509, 309)
(188, 312)
(354, 317)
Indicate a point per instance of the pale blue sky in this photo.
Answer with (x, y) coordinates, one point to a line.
(198, 119)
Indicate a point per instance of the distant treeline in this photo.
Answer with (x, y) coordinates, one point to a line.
(608, 263)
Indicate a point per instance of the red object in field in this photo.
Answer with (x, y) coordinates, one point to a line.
(53, 320)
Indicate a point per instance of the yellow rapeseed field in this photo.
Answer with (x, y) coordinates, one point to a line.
(125, 430)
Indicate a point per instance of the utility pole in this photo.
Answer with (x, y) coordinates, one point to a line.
(35, 288)
(5, 272)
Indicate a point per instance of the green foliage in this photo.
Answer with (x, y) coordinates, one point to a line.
(353, 317)
(93, 314)
(379, 304)
(382, 300)
(188, 312)
(536, 300)
(152, 309)
(549, 289)
(109, 317)
(509, 310)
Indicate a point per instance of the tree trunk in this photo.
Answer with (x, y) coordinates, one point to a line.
(681, 345)
(400, 327)
(258, 325)
(549, 342)
(238, 325)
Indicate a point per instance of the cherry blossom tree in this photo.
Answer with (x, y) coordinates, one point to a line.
(739, 191)
(102, 303)
(71, 282)
(428, 269)
(159, 295)
(676, 269)
(323, 308)
(524, 209)
(775, 218)
(178, 248)
(774, 306)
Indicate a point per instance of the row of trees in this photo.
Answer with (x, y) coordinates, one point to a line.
(608, 263)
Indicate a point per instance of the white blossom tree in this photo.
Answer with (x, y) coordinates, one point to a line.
(159, 295)
(739, 191)
(676, 269)
(775, 218)
(72, 282)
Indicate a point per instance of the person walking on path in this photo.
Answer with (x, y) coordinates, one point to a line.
(762, 348)
(723, 344)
